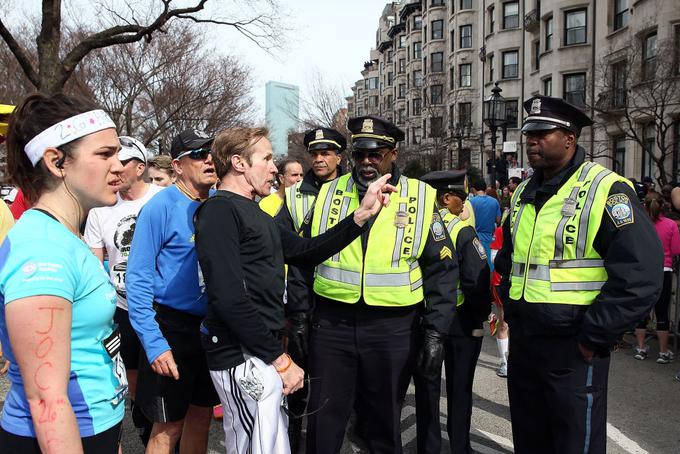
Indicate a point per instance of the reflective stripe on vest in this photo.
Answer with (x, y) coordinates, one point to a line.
(554, 260)
(454, 225)
(299, 204)
(388, 273)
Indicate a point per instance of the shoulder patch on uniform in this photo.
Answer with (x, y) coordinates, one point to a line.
(437, 227)
(445, 252)
(619, 209)
(480, 249)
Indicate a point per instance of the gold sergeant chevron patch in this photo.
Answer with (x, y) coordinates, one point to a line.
(444, 253)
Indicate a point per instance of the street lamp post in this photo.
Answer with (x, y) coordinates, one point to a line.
(460, 131)
(494, 115)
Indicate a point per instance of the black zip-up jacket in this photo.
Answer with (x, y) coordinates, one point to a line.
(241, 252)
(633, 258)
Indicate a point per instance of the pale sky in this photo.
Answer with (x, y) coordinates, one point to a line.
(333, 37)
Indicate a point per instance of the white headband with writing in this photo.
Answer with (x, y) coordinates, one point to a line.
(67, 131)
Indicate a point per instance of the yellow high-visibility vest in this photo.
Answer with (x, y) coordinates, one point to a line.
(454, 224)
(298, 204)
(388, 274)
(553, 259)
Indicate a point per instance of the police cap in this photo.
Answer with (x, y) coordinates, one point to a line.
(324, 139)
(546, 113)
(447, 181)
(370, 133)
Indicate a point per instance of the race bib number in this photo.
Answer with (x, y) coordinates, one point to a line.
(112, 347)
(118, 277)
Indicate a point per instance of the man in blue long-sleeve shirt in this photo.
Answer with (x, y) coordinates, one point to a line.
(167, 301)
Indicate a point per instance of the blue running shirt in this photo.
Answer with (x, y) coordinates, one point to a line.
(40, 256)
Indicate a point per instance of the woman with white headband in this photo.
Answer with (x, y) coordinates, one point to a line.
(68, 381)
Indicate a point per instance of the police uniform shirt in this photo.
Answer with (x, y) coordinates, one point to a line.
(632, 254)
(438, 265)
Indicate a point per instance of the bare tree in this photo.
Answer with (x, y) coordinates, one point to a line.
(639, 98)
(54, 63)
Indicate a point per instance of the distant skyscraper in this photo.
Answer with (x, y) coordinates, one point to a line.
(282, 105)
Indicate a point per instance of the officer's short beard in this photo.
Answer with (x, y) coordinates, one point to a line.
(365, 181)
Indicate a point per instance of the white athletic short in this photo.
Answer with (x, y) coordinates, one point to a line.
(254, 420)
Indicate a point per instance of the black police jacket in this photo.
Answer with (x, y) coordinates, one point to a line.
(633, 259)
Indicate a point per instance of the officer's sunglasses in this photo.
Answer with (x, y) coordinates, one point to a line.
(373, 156)
(293, 415)
(201, 154)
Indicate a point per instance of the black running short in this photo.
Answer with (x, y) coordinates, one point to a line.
(102, 443)
(130, 345)
(164, 399)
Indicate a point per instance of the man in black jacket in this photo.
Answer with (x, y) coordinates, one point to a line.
(241, 253)
(580, 264)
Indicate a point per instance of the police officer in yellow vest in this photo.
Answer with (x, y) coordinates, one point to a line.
(325, 147)
(464, 342)
(370, 298)
(580, 265)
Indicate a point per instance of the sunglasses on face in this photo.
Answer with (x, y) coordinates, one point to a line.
(201, 154)
(373, 156)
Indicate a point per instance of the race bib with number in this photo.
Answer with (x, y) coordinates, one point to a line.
(112, 346)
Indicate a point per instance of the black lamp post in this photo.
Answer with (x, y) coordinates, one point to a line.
(494, 115)
(460, 131)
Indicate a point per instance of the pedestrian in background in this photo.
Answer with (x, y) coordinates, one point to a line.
(160, 171)
(487, 215)
(667, 231)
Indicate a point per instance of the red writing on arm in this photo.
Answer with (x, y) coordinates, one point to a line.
(36, 378)
(44, 347)
(51, 309)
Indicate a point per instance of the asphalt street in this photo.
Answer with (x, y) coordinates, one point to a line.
(644, 403)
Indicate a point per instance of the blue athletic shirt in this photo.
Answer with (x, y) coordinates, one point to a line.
(163, 266)
(40, 256)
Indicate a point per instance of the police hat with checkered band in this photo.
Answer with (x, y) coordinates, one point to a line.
(546, 113)
(370, 133)
(324, 139)
(448, 181)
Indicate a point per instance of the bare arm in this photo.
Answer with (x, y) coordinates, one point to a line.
(39, 329)
(98, 252)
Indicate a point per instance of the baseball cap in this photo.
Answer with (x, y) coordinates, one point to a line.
(131, 148)
(189, 139)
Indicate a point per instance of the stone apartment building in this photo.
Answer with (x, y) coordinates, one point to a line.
(435, 61)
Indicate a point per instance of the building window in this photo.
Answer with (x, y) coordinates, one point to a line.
(548, 33)
(371, 83)
(402, 91)
(511, 106)
(402, 65)
(417, 106)
(417, 78)
(390, 101)
(492, 19)
(451, 122)
(537, 55)
(547, 87)
(425, 64)
(437, 3)
(649, 137)
(465, 4)
(437, 62)
(402, 41)
(437, 29)
(465, 113)
(390, 78)
(649, 56)
(452, 80)
(360, 111)
(465, 75)
(373, 101)
(390, 54)
(436, 94)
(510, 64)
(619, 72)
(466, 36)
(359, 93)
(575, 27)
(510, 15)
(417, 22)
(620, 155)
(417, 50)
(620, 14)
(575, 89)
(400, 115)
(491, 67)
(436, 126)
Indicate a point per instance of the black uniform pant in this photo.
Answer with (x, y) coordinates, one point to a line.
(362, 353)
(558, 400)
(460, 362)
